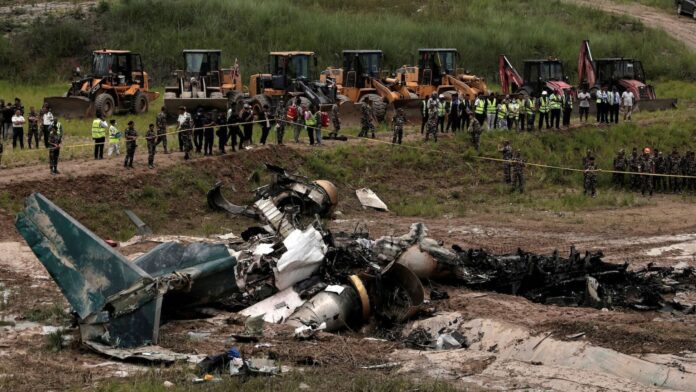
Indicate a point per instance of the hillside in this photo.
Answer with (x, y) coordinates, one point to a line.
(247, 29)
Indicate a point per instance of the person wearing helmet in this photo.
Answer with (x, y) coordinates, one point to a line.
(544, 108)
(590, 177)
(647, 166)
(619, 165)
(398, 125)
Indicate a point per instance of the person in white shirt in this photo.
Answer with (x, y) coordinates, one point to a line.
(18, 129)
(183, 120)
(627, 103)
(46, 122)
(584, 103)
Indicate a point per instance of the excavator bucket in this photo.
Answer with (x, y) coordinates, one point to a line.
(71, 107)
(412, 109)
(192, 104)
(350, 113)
(653, 105)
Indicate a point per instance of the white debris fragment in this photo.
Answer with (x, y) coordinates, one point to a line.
(368, 198)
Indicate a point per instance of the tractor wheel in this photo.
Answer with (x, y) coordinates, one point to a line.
(379, 107)
(104, 104)
(139, 105)
(259, 101)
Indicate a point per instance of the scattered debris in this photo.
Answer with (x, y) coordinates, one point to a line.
(369, 199)
(152, 354)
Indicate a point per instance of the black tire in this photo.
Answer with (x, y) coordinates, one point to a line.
(379, 107)
(259, 101)
(105, 104)
(139, 104)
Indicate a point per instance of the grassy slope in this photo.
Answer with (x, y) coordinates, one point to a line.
(248, 29)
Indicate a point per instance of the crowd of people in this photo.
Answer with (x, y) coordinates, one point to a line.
(671, 171)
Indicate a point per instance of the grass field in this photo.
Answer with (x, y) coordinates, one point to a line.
(248, 29)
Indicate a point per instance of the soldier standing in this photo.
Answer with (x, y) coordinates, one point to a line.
(209, 133)
(687, 164)
(233, 127)
(199, 121)
(151, 137)
(674, 162)
(590, 177)
(366, 120)
(161, 122)
(658, 181)
(54, 141)
(634, 167)
(398, 123)
(335, 121)
(131, 136)
(222, 133)
(432, 122)
(506, 150)
(647, 166)
(475, 131)
(517, 172)
(619, 166)
(33, 130)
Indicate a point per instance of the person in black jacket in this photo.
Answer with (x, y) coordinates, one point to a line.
(222, 132)
(246, 118)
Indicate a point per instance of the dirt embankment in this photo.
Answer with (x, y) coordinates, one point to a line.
(680, 28)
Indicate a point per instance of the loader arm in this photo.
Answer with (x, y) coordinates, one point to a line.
(586, 71)
(461, 87)
(385, 92)
(315, 96)
(508, 74)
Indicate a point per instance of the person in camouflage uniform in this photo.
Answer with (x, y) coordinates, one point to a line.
(366, 119)
(646, 166)
(634, 167)
(280, 119)
(131, 136)
(54, 141)
(619, 165)
(590, 177)
(151, 137)
(674, 162)
(161, 122)
(517, 172)
(335, 121)
(475, 131)
(660, 168)
(186, 137)
(506, 150)
(432, 122)
(398, 123)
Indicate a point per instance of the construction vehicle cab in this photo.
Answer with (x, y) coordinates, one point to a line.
(437, 72)
(291, 75)
(202, 83)
(118, 82)
(539, 75)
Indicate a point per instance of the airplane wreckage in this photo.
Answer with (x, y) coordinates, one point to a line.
(292, 270)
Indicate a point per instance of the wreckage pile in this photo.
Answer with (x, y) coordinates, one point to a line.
(292, 270)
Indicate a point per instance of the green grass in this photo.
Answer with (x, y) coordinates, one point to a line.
(47, 314)
(248, 29)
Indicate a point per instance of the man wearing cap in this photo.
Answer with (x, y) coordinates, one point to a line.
(131, 136)
(506, 150)
(619, 166)
(647, 166)
(544, 109)
(161, 123)
(590, 177)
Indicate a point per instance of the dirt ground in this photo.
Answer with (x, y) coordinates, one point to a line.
(681, 28)
(663, 232)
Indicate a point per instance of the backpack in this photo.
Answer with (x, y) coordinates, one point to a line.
(292, 113)
(324, 119)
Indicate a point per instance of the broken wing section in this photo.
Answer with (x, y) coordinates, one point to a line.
(87, 270)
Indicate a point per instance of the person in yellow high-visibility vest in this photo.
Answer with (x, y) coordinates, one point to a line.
(555, 103)
(491, 110)
(99, 127)
(544, 109)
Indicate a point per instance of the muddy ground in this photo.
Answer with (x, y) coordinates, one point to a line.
(663, 232)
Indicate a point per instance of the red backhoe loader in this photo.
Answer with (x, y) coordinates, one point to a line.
(539, 75)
